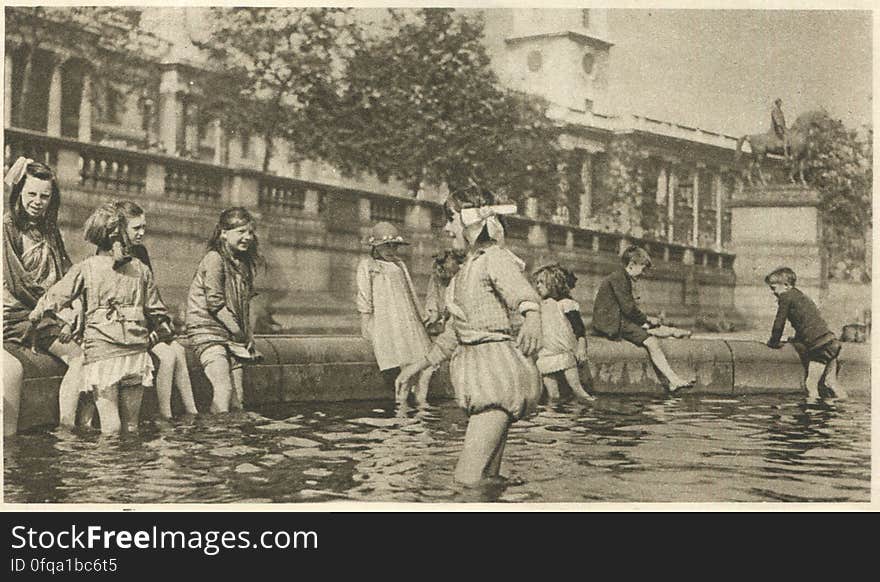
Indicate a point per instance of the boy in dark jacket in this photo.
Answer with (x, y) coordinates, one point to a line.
(617, 316)
(815, 343)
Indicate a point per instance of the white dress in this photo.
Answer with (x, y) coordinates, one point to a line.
(385, 291)
(559, 342)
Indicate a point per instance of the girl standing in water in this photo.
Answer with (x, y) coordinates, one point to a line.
(494, 379)
(117, 297)
(390, 318)
(218, 308)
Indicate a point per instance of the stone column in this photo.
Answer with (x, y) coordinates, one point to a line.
(718, 193)
(218, 142)
(586, 202)
(53, 120)
(695, 231)
(191, 128)
(84, 132)
(774, 226)
(531, 208)
(7, 91)
(170, 112)
(670, 205)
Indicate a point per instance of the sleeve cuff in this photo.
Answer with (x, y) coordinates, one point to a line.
(526, 306)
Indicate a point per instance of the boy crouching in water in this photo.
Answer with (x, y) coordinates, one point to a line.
(815, 343)
(617, 316)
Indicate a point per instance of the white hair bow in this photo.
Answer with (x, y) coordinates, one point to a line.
(17, 170)
(474, 219)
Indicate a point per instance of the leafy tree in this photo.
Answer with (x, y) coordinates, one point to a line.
(840, 169)
(617, 207)
(108, 38)
(422, 104)
(269, 65)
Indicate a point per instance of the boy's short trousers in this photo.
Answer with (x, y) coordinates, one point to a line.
(634, 334)
(822, 354)
(215, 352)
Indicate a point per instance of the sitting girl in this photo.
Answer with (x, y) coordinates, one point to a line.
(564, 334)
(494, 379)
(169, 353)
(117, 296)
(218, 308)
(34, 259)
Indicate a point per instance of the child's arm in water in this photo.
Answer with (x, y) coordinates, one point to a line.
(779, 323)
(215, 293)
(365, 299)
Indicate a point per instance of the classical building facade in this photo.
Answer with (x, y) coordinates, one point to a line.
(159, 150)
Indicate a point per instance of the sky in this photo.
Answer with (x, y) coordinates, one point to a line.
(721, 69)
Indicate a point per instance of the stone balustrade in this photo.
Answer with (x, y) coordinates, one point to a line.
(312, 233)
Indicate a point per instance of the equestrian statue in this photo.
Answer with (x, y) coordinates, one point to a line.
(793, 143)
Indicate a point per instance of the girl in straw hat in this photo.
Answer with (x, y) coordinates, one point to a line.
(495, 380)
(390, 316)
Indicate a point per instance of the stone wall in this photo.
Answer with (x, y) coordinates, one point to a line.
(311, 234)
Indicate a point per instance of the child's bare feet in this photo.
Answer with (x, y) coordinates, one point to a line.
(584, 397)
(681, 385)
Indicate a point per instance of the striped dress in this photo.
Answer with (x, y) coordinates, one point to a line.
(487, 370)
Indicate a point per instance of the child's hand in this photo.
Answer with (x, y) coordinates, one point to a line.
(404, 379)
(66, 334)
(580, 353)
(529, 340)
(654, 321)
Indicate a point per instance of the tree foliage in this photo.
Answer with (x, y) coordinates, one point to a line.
(617, 207)
(840, 169)
(109, 39)
(422, 104)
(268, 65)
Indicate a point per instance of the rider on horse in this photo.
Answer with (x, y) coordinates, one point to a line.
(777, 124)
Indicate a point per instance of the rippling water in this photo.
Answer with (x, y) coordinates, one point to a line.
(617, 449)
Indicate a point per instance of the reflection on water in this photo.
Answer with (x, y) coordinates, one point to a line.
(617, 449)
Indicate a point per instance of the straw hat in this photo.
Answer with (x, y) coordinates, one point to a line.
(384, 233)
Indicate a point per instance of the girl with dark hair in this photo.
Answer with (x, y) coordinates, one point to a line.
(218, 307)
(118, 297)
(34, 259)
(495, 380)
(563, 331)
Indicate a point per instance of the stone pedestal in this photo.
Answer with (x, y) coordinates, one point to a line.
(771, 227)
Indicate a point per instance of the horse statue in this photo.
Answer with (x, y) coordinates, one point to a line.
(798, 136)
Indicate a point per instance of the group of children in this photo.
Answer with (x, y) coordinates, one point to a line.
(497, 373)
(107, 311)
(115, 314)
(392, 320)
